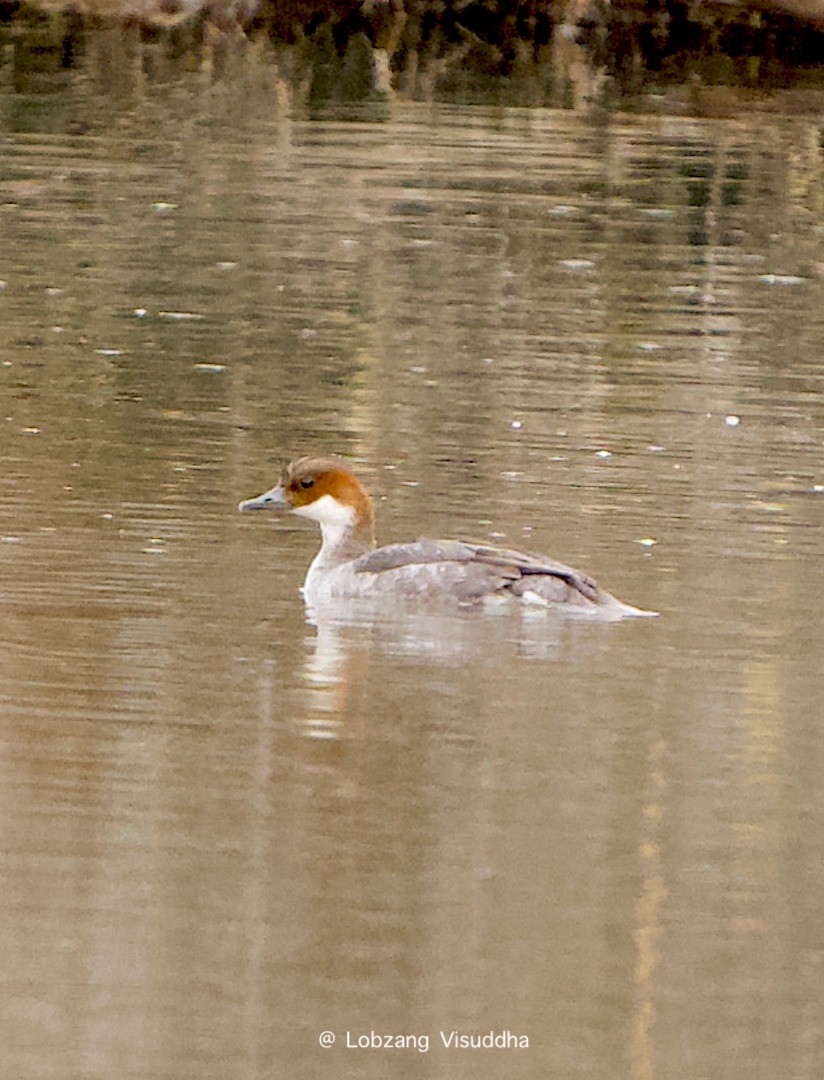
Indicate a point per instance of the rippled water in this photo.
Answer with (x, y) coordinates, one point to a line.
(225, 830)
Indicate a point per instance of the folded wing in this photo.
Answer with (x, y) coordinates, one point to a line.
(495, 569)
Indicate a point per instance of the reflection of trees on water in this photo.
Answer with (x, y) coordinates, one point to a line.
(513, 51)
(402, 287)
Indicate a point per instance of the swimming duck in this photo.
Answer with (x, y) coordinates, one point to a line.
(348, 565)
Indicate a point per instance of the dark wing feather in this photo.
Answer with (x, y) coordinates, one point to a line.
(528, 564)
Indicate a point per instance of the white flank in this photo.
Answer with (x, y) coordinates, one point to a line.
(534, 598)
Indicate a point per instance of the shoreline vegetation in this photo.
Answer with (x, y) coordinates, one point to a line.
(519, 52)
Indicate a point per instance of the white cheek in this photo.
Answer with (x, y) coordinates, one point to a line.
(328, 511)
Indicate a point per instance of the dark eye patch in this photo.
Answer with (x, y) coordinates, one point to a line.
(307, 483)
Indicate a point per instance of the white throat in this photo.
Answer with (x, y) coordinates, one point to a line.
(335, 519)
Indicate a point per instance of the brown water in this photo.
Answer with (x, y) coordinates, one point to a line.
(225, 831)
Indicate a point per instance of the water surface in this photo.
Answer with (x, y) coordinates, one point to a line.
(226, 830)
